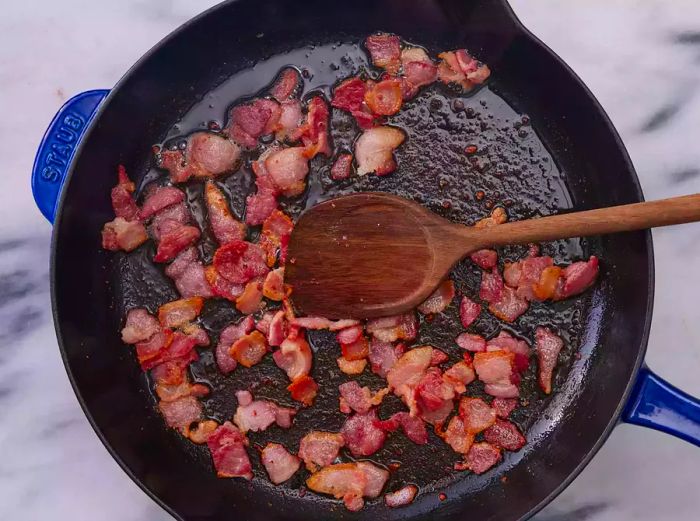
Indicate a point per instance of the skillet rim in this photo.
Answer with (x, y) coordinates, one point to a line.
(542, 47)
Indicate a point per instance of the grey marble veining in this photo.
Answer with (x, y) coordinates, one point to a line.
(640, 58)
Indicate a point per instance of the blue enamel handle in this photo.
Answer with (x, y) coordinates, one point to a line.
(657, 404)
(58, 146)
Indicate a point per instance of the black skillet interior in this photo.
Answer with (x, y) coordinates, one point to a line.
(184, 82)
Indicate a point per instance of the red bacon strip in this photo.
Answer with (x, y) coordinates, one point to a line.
(505, 435)
(342, 167)
(225, 226)
(548, 345)
(228, 450)
(362, 434)
(122, 197)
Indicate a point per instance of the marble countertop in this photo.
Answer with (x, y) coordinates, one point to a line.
(640, 58)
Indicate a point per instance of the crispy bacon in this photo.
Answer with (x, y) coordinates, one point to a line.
(504, 406)
(485, 259)
(459, 376)
(408, 371)
(382, 356)
(249, 349)
(457, 436)
(389, 329)
(278, 329)
(548, 345)
(505, 435)
(471, 342)
(165, 347)
(349, 481)
(286, 85)
(180, 413)
(356, 350)
(273, 287)
(249, 121)
(276, 231)
(287, 169)
(201, 431)
(362, 434)
(228, 336)
(205, 155)
(179, 312)
(122, 199)
(384, 98)
(177, 239)
(222, 287)
(294, 357)
(351, 367)
(349, 95)
(342, 167)
(161, 198)
(172, 392)
(401, 497)
(319, 449)
(259, 206)
(385, 51)
(303, 389)
(251, 299)
(279, 463)
(225, 226)
(536, 278)
(459, 67)
(360, 399)
(228, 450)
(578, 277)
(374, 150)
(314, 133)
(469, 311)
(121, 234)
(258, 415)
(140, 325)
(439, 299)
(240, 261)
(481, 457)
(476, 414)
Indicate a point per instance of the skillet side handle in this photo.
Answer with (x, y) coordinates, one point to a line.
(657, 404)
(58, 146)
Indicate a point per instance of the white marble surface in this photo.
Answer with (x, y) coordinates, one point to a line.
(641, 59)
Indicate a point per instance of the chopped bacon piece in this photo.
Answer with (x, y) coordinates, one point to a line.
(549, 281)
(286, 85)
(384, 98)
(324, 323)
(459, 67)
(457, 436)
(362, 434)
(240, 261)
(349, 95)
(385, 51)
(502, 390)
(408, 371)
(180, 413)
(374, 150)
(349, 481)
(287, 169)
(468, 311)
(278, 462)
(491, 289)
(439, 299)
(122, 199)
(140, 325)
(475, 343)
(258, 415)
(275, 232)
(485, 259)
(251, 299)
(170, 392)
(356, 350)
(506, 342)
(548, 345)
(530, 271)
(438, 357)
(459, 376)
(227, 446)
(174, 241)
(476, 414)
(389, 329)
(498, 216)
(167, 346)
(278, 329)
(351, 367)
(509, 306)
(121, 234)
(360, 399)
(382, 356)
(481, 457)
(259, 206)
(222, 287)
(494, 367)
(189, 276)
(228, 336)
(342, 168)
(433, 397)
(200, 433)
(504, 406)
(412, 426)
(249, 121)
(179, 312)
(293, 357)
(167, 220)
(273, 288)
(226, 228)
(314, 133)
(250, 349)
(289, 121)
(303, 389)
(349, 334)
(149, 351)
(205, 155)
(578, 277)
(505, 435)
(319, 449)
(401, 497)
(161, 198)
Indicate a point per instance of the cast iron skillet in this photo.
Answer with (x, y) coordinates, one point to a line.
(97, 130)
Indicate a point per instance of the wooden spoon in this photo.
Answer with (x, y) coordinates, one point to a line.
(374, 254)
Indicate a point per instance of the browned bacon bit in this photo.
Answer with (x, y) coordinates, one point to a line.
(407, 372)
(251, 120)
(385, 51)
(286, 85)
(189, 276)
(433, 397)
(175, 240)
(222, 287)
(342, 168)
(506, 342)
(273, 288)
(481, 457)
(505, 435)
(351, 367)
(276, 231)
(485, 259)
(504, 406)
(495, 369)
(251, 299)
(140, 325)
(261, 204)
(403, 496)
(536, 278)
(180, 413)
(303, 389)
(349, 481)
(240, 261)
(258, 415)
(319, 449)
(206, 154)
(362, 434)
(418, 69)
(498, 216)
(180, 312)
(294, 357)
(226, 228)
(314, 133)
(159, 199)
(172, 392)
(578, 277)
(476, 414)
(279, 463)
(349, 334)
(548, 345)
(471, 342)
(438, 357)
(509, 306)
(349, 95)
(457, 436)
(122, 199)
(360, 399)
(357, 350)
(374, 150)
(412, 426)
(469, 311)
(167, 346)
(384, 98)
(287, 169)
(459, 376)
(440, 298)
(324, 323)
(199, 434)
(250, 349)
(389, 329)
(121, 234)
(227, 338)
(228, 450)
(459, 67)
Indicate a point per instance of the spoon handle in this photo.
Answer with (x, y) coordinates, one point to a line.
(628, 217)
